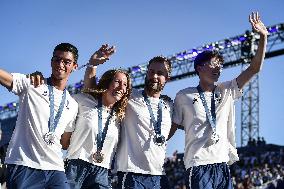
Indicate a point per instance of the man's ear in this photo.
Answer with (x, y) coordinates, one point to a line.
(199, 68)
(168, 78)
(75, 67)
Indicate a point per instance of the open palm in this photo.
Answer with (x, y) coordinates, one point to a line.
(102, 55)
(256, 23)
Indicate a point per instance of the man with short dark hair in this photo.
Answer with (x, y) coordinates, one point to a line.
(142, 149)
(34, 157)
(206, 113)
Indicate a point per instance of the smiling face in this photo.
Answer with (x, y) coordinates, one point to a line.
(156, 78)
(62, 64)
(117, 88)
(210, 71)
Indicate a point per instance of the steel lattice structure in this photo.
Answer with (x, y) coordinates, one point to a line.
(250, 111)
(236, 51)
(232, 50)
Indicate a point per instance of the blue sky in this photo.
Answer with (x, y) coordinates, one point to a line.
(140, 30)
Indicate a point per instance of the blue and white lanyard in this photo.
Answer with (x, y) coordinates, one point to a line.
(53, 121)
(211, 116)
(158, 122)
(102, 132)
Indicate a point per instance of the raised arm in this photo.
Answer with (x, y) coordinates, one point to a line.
(6, 79)
(99, 57)
(257, 60)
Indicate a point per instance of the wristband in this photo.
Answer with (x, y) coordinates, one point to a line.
(91, 66)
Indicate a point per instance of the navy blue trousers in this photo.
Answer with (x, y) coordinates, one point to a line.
(212, 176)
(19, 177)
(141, 181)
(82, 174)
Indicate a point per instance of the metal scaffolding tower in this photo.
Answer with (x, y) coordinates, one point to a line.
(250, 98)
(236, 51)
(250, 112)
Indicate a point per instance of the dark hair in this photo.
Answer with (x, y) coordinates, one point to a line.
(67, 47)
(103, 85)
(205, 56)
(159, 59)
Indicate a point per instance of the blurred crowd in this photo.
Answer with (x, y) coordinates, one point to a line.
(259, 170)
(261, 166)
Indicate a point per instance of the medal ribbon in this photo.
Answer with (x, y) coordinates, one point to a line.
(211, 116)
(102, 132)
(53, 121)
(157, 123)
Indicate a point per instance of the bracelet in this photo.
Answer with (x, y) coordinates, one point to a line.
(91, 66)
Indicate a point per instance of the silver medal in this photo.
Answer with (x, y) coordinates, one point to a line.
(159, 139)
(215, 137)
(49, 138)
(98, 157)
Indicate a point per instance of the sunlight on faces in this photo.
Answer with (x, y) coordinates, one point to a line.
(62, 64)
(156, 78)
(214, 63)
(118, 87)
(210, 70)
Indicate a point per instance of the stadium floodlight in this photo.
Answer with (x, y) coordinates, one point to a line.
(10, 106)
(135, 69)
(208, 47)
(242, 38)
(227, 43)
(186, 55)
(235, 42)
(183, 56)
(273, 29)
(179, 56)
(220, 45)
(194, 52)
(79, 85)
